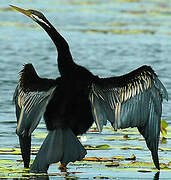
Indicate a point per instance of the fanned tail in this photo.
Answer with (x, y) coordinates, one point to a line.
(60, 145)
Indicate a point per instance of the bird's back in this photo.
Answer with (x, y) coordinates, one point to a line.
(70, 106)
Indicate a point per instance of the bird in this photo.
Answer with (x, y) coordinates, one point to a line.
(72, 102)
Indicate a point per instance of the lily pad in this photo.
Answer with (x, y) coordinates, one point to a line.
(97, 159)
(113, 164)
(98, 147)
(164, 125)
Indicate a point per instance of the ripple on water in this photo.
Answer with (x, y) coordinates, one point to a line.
(109, 37)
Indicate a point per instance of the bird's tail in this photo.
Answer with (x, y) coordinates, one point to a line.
(60, 145)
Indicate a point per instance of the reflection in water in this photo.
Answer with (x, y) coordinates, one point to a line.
(46, 177)
(156, 177)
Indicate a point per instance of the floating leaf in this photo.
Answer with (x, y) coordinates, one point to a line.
(98, 147)
(163, 165)
(91, 159)
(163, 127)
(164, 149)
(118, 158)
(163, 140)
(103, 146)
(133, 157)
(113, 164)
(164, 124)
(6, 162)
(139, 164)
(40, 135)
(132, 147)
(169, 163)
(15, 151)
(97, 159)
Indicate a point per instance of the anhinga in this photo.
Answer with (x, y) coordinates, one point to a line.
(72, 102)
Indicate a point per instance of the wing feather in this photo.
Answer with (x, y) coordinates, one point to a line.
(31, 97)
(128, 98)
(131, 100)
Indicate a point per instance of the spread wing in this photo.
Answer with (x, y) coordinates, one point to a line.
(131, 100)
(31, 97)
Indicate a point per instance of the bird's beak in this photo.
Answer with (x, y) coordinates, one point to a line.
(26, 12)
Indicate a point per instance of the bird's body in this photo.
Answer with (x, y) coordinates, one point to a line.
(72, 102)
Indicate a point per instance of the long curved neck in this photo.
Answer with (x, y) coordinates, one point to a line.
(65, 60)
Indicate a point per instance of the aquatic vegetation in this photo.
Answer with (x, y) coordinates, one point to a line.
(164, 126)
(99, 162)
(112, 19)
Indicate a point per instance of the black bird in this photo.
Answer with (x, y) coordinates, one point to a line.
(72, 102)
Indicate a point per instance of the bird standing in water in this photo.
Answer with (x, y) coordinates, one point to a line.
(72, 102)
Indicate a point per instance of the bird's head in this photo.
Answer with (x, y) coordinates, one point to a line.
(34, 15)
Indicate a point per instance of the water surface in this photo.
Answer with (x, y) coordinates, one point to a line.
(110, 38)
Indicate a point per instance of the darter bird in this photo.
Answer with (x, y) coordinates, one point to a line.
(72, 102)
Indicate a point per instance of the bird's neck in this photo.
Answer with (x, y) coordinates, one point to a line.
(64, 60)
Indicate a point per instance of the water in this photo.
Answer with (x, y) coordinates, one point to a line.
(109, 37)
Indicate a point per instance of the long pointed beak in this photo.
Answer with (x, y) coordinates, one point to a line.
(26, 12)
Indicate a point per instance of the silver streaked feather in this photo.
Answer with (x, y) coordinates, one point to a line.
(31, 97)
(32, 107)
(136, 102)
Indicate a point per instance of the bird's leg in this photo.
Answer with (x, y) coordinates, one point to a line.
(63, 167)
